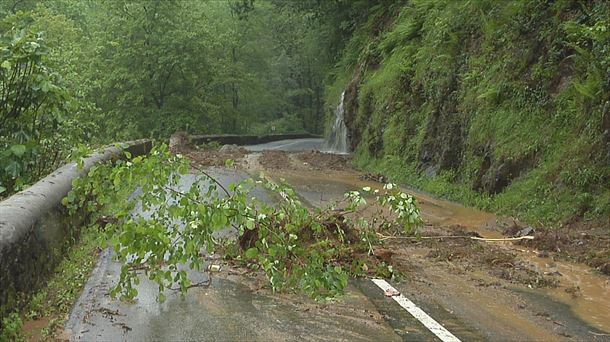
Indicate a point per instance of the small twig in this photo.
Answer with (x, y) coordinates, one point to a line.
(527, 237)
(598, 334)
(212, 178)
(204, 283)
(177, 192)
(385, 237)
(141, 267)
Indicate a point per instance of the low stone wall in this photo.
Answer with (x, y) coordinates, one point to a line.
(35, 228)
(233, 139)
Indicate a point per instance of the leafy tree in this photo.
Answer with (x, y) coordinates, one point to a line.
(114, 70)
(35, 129)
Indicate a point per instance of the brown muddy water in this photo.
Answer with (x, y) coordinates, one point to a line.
(585, 292)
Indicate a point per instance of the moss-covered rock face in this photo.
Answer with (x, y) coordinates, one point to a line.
(500, 104)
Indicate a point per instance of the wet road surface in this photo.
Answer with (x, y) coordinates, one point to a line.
(293, 145)
(229, 310)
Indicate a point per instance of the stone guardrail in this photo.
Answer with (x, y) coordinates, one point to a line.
(234, 139)
(35, 228)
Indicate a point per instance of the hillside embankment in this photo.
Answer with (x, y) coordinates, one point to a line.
(499, 105)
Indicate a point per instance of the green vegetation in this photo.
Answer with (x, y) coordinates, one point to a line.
(502, 105)
(97, 72)
(35, 127)
(11, 328)
(297, 248)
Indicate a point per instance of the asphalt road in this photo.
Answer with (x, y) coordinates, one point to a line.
(229, 310)
(293, 145)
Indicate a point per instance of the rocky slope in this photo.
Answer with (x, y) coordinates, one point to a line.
(503, 105)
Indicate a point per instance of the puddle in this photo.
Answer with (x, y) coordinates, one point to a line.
(591, 299)
(318, 188)
(592, 303)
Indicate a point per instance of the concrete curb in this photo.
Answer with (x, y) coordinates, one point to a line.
(35, 227)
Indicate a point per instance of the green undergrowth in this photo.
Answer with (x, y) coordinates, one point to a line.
(545, 208)
(498, 105)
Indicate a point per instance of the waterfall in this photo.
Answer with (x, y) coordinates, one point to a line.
(337, 141)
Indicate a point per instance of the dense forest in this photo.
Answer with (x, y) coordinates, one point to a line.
(91, 72)
(502, 105)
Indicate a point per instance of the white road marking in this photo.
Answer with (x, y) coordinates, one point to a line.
(289, 144)
(418, 313)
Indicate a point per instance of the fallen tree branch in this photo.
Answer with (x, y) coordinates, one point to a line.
(205, 283)
(212, 179)
(527, 237)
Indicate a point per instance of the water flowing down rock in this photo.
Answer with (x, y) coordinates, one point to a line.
(337, 141)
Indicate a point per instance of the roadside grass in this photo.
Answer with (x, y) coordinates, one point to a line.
(11, 328)
(532, 198)
(56, 301)
(465, 74)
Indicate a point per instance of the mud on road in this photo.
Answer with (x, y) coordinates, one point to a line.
(581, 241)
(306, 161)
(211, 156)
(522, 290)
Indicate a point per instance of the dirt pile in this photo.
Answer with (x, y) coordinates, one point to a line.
(275, 160)
(180, 142)
(375, 177)
(584, 242)
(230, 149)
(324, 161)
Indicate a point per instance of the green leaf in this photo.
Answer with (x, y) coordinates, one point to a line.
(45, 86)
(2, 189)
(252, 253)
(13, 169)
(18, 150)
(6, 65)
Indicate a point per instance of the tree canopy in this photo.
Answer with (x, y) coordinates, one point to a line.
(100, 71)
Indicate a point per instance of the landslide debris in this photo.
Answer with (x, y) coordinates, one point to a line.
(455, 246)
(275, 160)
(583, 242)
(324, 161)
(211, 156)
